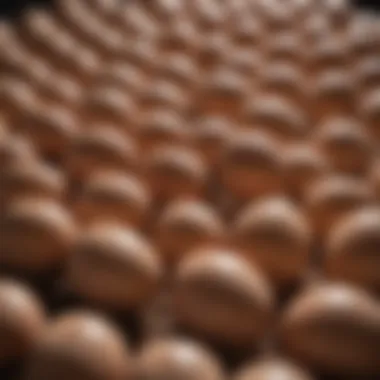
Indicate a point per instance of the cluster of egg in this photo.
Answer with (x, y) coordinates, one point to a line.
(210, 169)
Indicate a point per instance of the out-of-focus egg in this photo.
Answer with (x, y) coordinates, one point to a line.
(22, 320)
(346, 145)
(333, 328)
(113, 195)
(176, 358)
(332, 197)
(235, 298)
(252, 165)
(275, 234)
(80, 346)
(370, 112)
(102, 147)
(185, 225)
(353, 249)
(270, 369)
(36, 235)
(114, 267)
(175, 171)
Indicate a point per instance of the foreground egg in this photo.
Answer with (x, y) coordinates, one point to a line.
(253, 165)
(114, 267)
(276, 235)
(37, 235)
(303, 164)
(79, 346)
(175, 359)
(162, 127)
(185, 225)
(346, 145)
(175, 171)
(334, 328)
(235, 299)
(30, 179)
(101, 148)
(22, 320)
(113, 195)
(353, 249)
(332, 197)
(272, 369)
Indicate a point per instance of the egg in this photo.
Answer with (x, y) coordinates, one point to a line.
(346, 144)
(352, 249)
(177, 358)
(31, 179)
(175, 171)
(37, 235)
(334, 196)
(370, 113)
(114, 267)
(303, 164)
(333, 328)
(22, 320)
(184, 225)
(252, 165)
(368, 72)
(101, 148)
(235, 298)
(275, 234)
(270, 369)
(162, 127)
(80, 345)
(113, 195)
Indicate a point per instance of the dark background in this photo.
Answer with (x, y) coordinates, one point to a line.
(13, 7)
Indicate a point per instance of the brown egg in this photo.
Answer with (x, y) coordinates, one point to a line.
(353, 249)
(52, 129)
(252, 165)
(113, 195)
(285, 47)
(37, 234)
(167, 10)
(213, 50)
(334, 328)
(30, 179)
(375, 177)
(162, 127)
(271, 369)
(111, 105)
(80, 346)
(285, 80)
(329, 54)
(247, 63)
(362, 39)
(210, 16)
(235, 299)
(177, 358)
(346, 144)
(179, 69)
(303, 164)
(248, 33)
(114, 267)
(16, 149)
(4, 130)
(333, 95)
(332, 197)
(185, 225)
(163, 94)
(339, 12)
(368, 72)
(211, 136)
(175, 171)
(122, 75)
(102, 147)
(275, 234)
(21, 323)
(370, 113)
(276, 115)
(223, 94)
